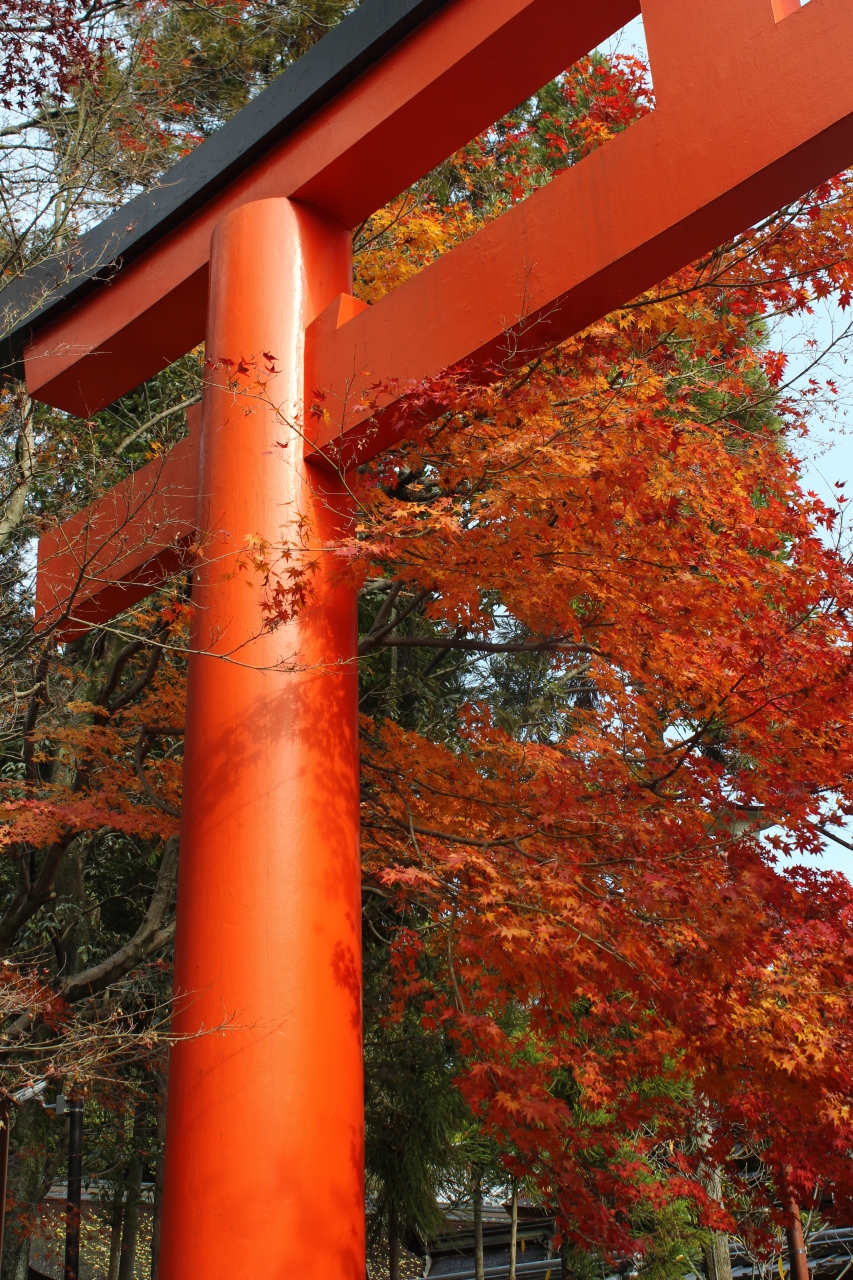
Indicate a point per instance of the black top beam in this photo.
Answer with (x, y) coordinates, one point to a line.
(331, 65)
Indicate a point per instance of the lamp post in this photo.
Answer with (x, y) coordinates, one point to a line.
(75, 1186)
(4, 1166)
(798, 1263)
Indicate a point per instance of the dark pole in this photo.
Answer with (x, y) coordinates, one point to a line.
(75, 1187)
(4, 1166)
(798, 1263)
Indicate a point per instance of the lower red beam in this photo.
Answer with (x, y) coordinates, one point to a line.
(118, 550)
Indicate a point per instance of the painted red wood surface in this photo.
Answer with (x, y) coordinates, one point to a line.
(111, 555)
(750, 113)
(733, 137)
(454, 76)
(265, 1111)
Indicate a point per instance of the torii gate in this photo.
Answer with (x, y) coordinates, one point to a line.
(249, 248)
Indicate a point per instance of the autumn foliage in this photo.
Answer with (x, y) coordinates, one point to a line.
(636, 982)
(45, 49)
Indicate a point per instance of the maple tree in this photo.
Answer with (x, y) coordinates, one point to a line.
(631, 978)
(44, 49)
(611, 654)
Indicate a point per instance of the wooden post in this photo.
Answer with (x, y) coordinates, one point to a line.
(4, 1166)
(265, 1112)
(798, 1263)
(513, 1231)
(75, 1186)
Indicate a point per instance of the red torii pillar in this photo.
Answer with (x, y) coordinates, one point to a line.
(269, 892)
(265, 1115)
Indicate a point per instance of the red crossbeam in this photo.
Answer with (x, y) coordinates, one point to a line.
(110, 556)
(750, 112)
(455, 75)
(732, 138)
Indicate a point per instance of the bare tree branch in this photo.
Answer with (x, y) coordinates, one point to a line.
(129, 651)
(150, 937)
(158, 417)
(381, 628)
(143, 746)
(142, 683)
(482, 646)
(836, 839)
(30, 897)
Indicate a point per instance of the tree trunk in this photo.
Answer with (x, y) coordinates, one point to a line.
(162, 1079)
(393, 1243)
(130, 1229)
(27, 1149)
(566, 1259)
(513, 1231)
(25, 452)
(117, 1215)
(72, 908)
(718, 1262)
(73, 1203)
(479, 1266)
